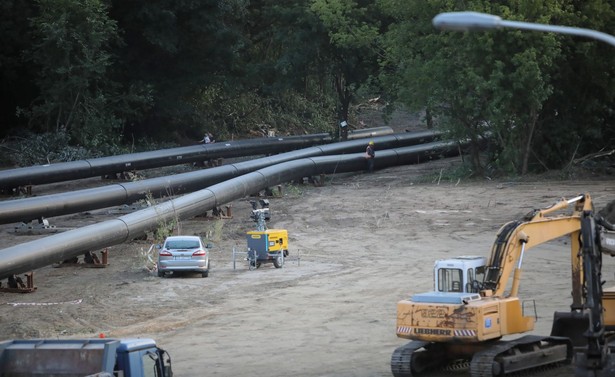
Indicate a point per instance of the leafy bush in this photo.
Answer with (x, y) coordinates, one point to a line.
(250, 113)
(36, 149)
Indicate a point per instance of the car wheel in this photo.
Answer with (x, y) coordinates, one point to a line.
(160, 274)
(205, 274)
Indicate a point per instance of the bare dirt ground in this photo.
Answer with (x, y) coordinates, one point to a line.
(365, 241)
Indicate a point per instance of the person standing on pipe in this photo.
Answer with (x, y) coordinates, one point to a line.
(208, 139)
(370, 154)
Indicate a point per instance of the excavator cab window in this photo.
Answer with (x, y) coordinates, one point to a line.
(450, 280)
(475, 279)
(480, 273)
(469, 280)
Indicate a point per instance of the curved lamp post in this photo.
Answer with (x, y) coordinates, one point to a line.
(466, 21)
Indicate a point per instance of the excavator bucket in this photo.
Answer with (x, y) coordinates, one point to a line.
(572, 325)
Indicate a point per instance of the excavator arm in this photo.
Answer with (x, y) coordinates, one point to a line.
(592, 266)
(594, 350)
(536, 228)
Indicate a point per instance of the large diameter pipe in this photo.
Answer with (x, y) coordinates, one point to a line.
(44, 251)
(67, 171)
(369, 132)
(27, 209)
(21, 258)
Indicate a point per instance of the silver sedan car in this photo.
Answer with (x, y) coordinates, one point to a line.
(183, 253)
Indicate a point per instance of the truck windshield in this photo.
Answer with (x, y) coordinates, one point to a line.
(150, 364)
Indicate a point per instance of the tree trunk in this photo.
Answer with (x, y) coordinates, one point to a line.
(344, 96)
(527, 150)
(475, 147)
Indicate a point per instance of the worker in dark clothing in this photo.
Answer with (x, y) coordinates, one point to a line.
(370, 154)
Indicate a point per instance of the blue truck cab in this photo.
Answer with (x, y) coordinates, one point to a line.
(82, 357)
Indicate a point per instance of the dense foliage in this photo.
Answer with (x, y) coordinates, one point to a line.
(543, 98)
(106, 73)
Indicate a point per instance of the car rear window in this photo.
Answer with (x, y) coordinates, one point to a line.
(182, 244)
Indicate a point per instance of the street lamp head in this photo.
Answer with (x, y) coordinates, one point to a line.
(465, 21)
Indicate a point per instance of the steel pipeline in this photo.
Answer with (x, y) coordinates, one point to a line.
(66, 171)
(369, 132)
(45, 251)
(27, 209)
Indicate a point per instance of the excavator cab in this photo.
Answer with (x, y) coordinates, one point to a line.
(461, 274)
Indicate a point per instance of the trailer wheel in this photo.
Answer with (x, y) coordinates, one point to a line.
(278, 261)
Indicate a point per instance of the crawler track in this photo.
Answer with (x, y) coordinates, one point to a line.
(514, 357)
(527, 352)
(415, 357)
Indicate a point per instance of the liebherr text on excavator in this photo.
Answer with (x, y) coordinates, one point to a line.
(475, 304)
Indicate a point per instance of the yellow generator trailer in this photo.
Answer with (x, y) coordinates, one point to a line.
(267, 246)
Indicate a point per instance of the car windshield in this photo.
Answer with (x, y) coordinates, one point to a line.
(182, 244)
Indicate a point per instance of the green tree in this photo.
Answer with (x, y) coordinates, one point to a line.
(577, 120)
(288, 65)
(278, 81)
(72, 44)
(16, 86)
(474, 83)
(354, 30)
(183, 50)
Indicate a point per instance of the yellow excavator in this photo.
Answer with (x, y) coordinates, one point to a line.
(475, 304)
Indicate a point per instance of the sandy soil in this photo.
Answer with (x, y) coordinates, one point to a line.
(364, 242)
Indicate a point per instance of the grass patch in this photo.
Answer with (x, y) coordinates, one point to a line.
(450, 175)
